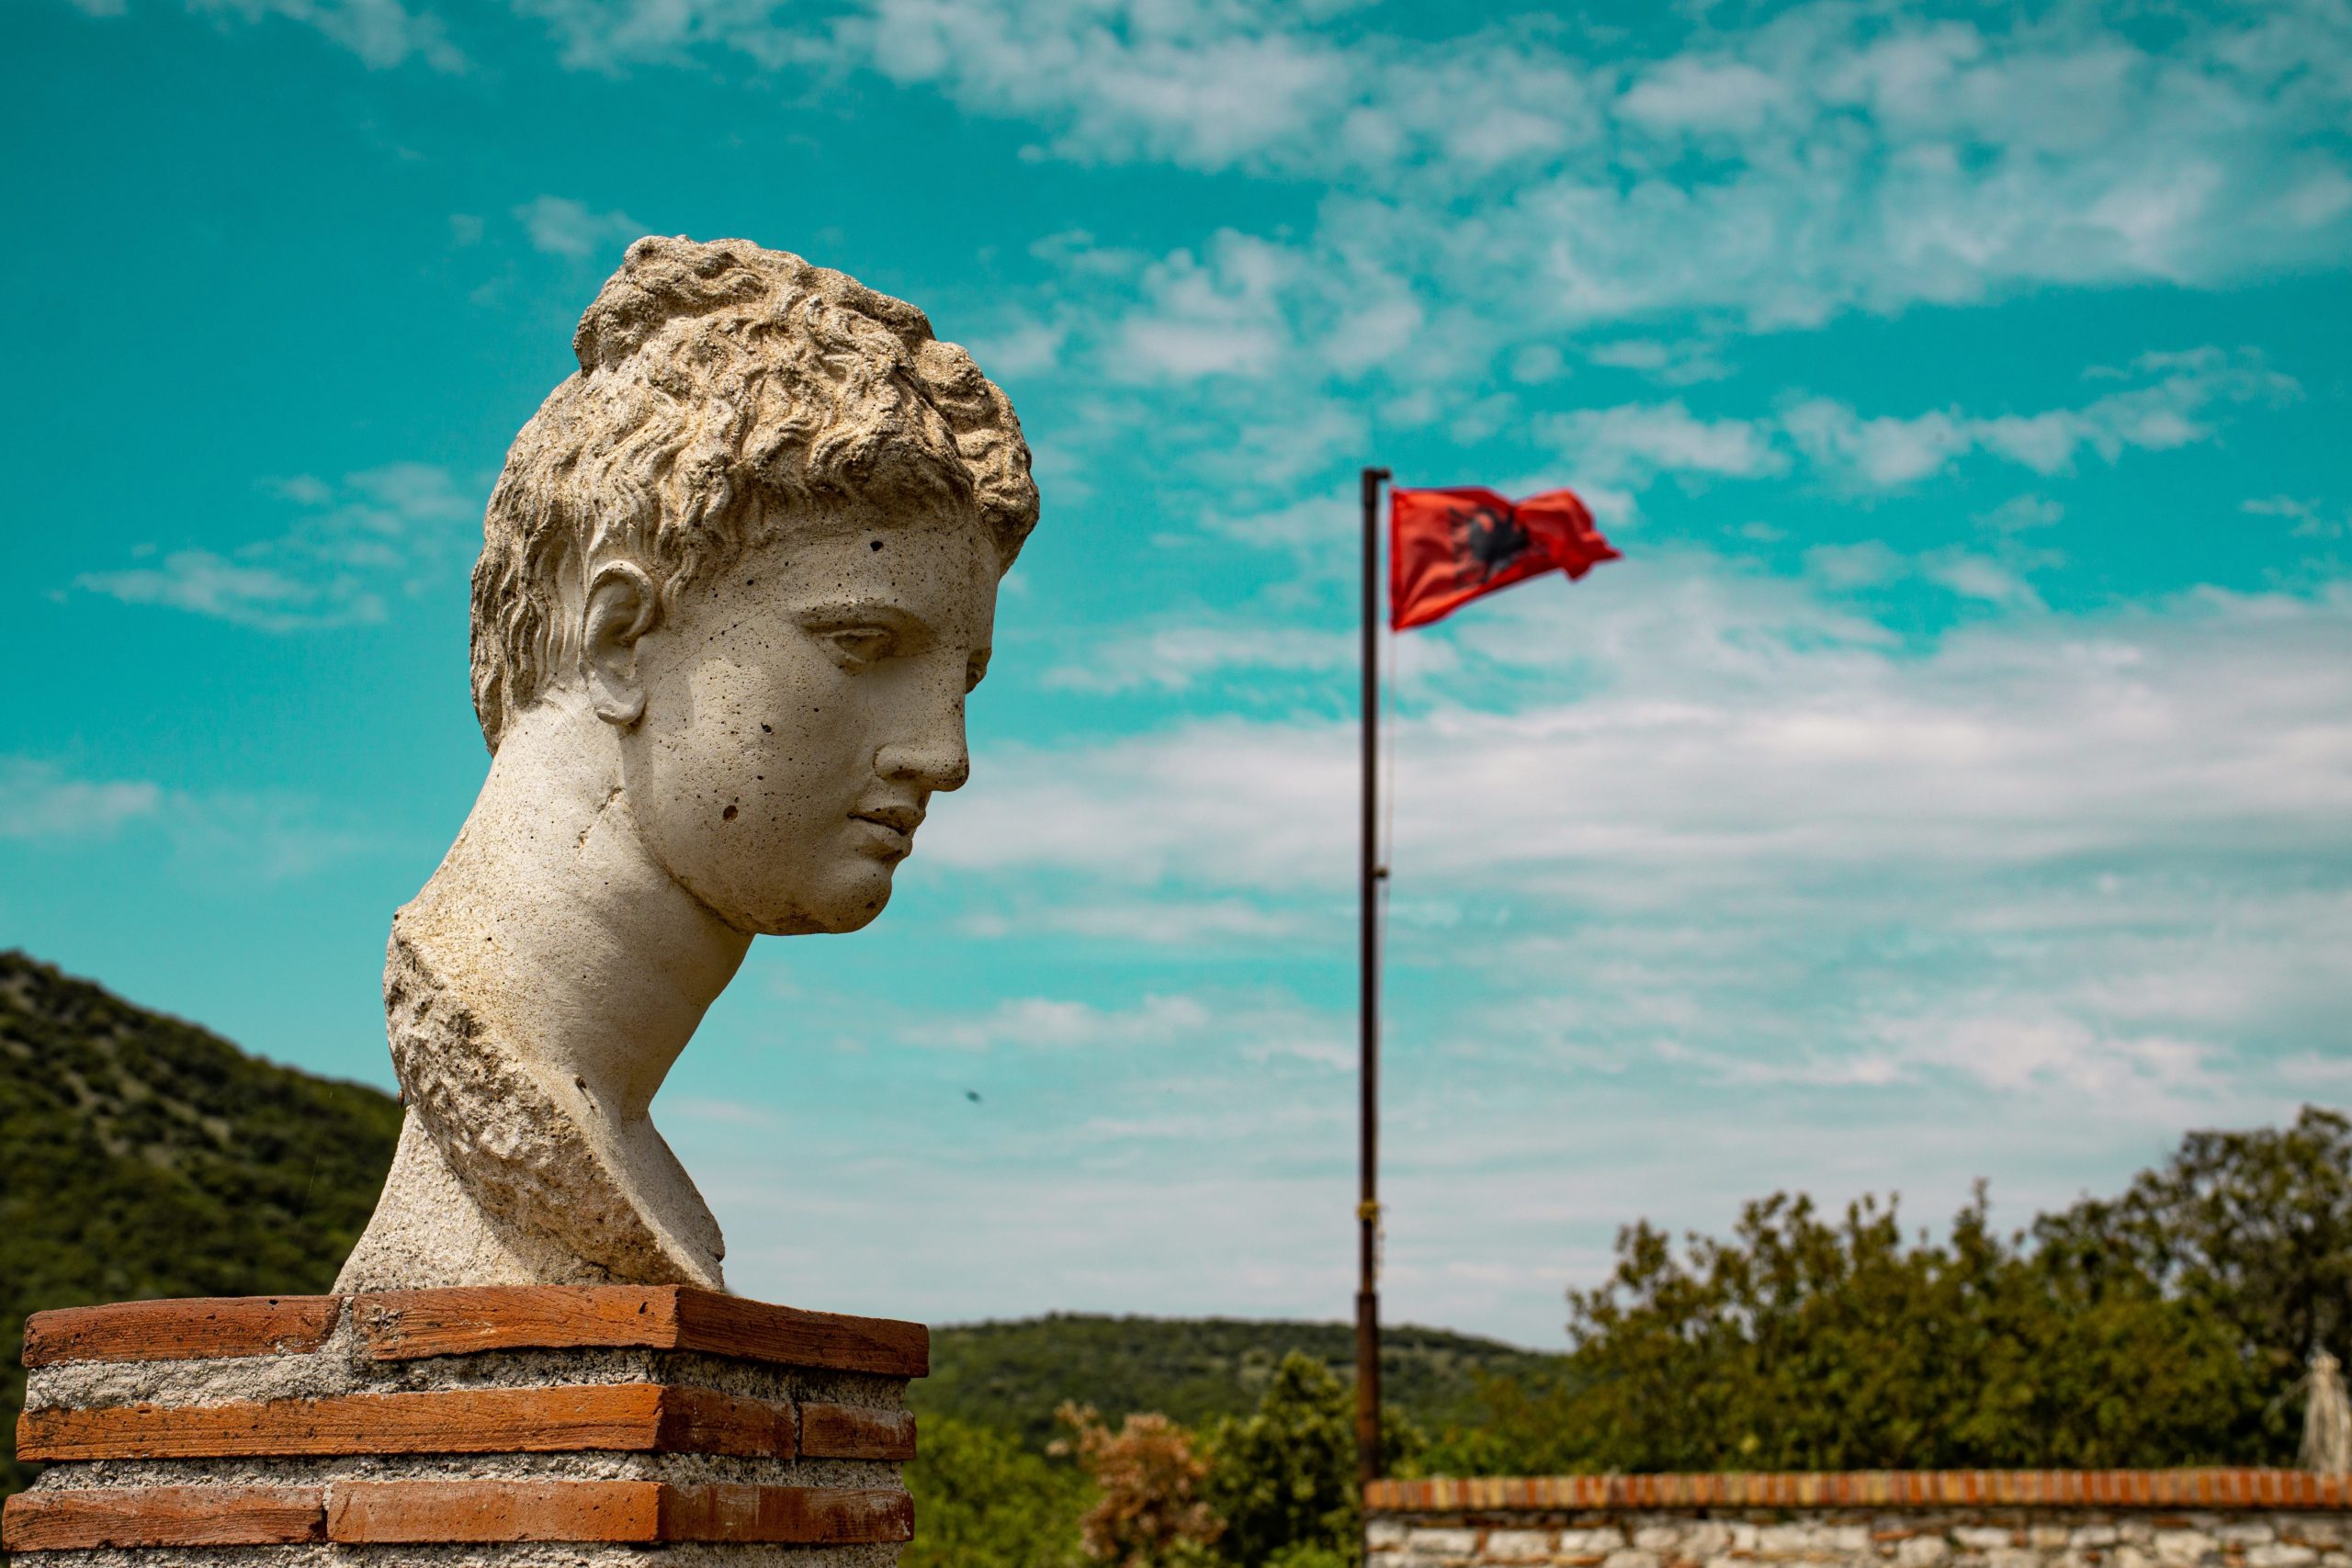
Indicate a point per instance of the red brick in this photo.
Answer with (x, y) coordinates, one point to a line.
(793, 1515)
(180, 1329)
(417, 1512)
(403, 1324)
(163, 1516)
(632, 1417)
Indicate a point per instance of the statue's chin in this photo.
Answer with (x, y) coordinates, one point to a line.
(829, 918)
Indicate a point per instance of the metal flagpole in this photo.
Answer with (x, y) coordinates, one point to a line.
(1368, 1203)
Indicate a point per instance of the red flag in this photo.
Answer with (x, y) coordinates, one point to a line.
(1448, 547)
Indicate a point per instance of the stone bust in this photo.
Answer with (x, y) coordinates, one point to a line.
(737, 578)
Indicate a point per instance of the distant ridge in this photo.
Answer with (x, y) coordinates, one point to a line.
(1012, 1375)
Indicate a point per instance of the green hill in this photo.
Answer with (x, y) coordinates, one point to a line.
(144, 1156)
(1012, 1375)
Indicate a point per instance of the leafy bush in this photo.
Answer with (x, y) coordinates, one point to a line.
(1285, 1479)
(1148, 1510)
(984, 1501)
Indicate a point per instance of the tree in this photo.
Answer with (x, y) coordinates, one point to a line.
(983, 1501)
(1148, 1512)
(1284, 1477)
(1801, 1343)
(2258, 1225)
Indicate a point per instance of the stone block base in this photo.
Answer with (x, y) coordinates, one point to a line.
(503, 1425)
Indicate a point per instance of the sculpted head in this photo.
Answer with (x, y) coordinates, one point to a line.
(757, 537)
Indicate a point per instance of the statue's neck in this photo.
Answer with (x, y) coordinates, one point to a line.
(553, 920)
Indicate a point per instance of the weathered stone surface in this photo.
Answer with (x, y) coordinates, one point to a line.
(1517, 1546)
(737, 578)
(2277, 1554)
(1442, 1543)
(1701, 1542)
(2179, 1549)
(1508, 1522)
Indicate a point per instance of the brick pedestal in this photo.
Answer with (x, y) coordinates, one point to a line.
(500, 1426)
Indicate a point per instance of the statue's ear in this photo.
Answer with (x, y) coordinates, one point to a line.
(622, 607)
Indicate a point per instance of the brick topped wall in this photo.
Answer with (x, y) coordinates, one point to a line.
(2180, 1518)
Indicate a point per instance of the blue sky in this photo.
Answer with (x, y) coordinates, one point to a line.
(1955, 781)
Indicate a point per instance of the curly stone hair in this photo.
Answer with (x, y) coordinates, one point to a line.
(723, 392)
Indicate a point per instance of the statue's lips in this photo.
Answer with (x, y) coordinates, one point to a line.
(890, 829)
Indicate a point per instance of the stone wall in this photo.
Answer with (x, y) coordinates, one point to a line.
(2220, 1518)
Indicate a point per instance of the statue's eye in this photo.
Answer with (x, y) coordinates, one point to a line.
(854, 647)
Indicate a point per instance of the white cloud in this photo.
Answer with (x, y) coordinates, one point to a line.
(2168, 404)
(207, 583)
(610, 35)
(562, 227)
(1678, 363)
(383, 33)
(217, 837)
(2020, 512)
(1154, 921)
(40, 802)
(2165, 410)
(1835, 178)
(1496, 185)
(1223, 313)
(1635, 440)
(1737, 729)
(1175, 657)
(1178, 83)
(2050, 854)
(383, 531)
(2307, 519)
(1700, 97)
(1869, 564)
(1981, 576)
(1021, 347)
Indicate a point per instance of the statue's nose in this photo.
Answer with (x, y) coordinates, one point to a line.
(934, 757)
(929, 765)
